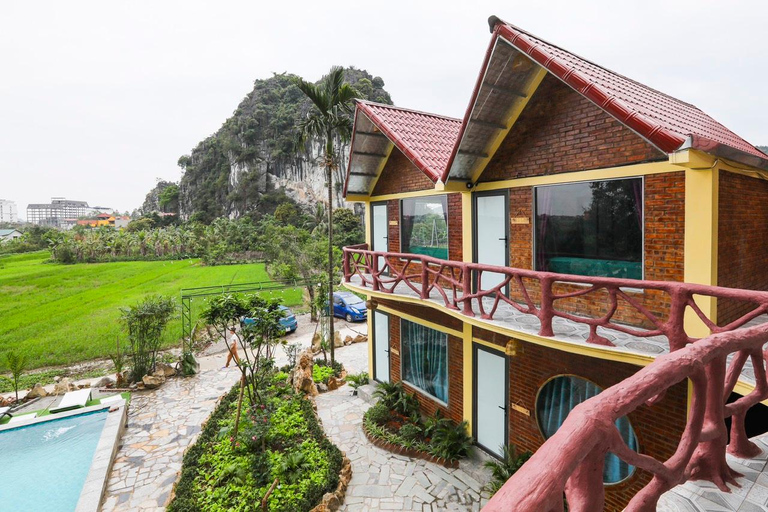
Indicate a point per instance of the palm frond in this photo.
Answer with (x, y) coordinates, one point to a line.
(317, 95)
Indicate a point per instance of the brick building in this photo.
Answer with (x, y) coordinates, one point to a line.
(560, 166)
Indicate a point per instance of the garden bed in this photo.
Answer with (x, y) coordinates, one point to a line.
(282, 440)
(395, 424)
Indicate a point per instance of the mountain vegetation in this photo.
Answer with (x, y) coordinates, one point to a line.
(236, 171)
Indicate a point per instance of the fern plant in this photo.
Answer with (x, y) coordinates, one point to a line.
(502, 470)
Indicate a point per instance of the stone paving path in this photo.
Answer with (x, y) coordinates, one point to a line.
(382, 480)
(161, 424)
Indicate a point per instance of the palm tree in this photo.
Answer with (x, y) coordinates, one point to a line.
(329, 120)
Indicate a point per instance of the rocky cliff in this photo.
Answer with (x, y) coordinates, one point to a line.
(255, 151)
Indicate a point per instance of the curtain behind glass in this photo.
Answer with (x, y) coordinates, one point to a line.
(559, 396)
(425, 359)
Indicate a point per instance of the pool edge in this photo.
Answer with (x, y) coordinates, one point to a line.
(96, 482)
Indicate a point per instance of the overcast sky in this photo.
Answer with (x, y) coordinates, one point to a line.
(99, 99)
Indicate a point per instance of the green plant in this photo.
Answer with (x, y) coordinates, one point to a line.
(450, 441)
(395, 398)
(118, 358)
(17, 365)
(502, 470)
(145, 322)
(410, 432)
(292, 352)
(322, 373)
(336, 365)
(378, 414)
(357, 379)
(432, 423)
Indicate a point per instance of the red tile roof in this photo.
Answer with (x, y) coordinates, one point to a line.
(665, 121)
(426, 139)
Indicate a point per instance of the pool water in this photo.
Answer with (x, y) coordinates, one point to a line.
(43, 467)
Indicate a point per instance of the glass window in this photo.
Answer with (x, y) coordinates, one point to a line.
(424, 226)
(424, 354)
(558, 397)
(591, 229)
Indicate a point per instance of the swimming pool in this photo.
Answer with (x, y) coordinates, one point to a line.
(44, 466)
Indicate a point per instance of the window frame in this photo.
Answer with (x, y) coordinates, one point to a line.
(447, 224)
(535, 218)
(447, 365)
(541, 432)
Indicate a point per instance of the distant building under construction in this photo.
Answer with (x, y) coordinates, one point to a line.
(60, 212)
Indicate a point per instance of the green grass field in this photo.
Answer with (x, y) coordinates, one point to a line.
(62, 314)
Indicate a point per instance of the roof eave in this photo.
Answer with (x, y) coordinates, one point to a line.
(721, 150)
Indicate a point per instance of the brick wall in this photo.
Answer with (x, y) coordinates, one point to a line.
(561, 131)
(658, 428)
(664, 241)
(400, 175)
(742, 240)
(430, 405)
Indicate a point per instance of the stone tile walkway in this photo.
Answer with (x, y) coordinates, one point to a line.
(382, 480)
(161, 424)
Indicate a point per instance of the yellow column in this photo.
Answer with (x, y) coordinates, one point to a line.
(468, 380)
(368, 227)
(701, 212)
(467, 367)
(371, 334)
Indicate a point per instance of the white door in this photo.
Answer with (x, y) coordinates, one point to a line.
(381, 346)
(491, 231)
(491, 400)
(379, 239)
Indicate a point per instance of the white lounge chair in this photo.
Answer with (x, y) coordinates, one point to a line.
(111, 399)
(23, 418)
(5, 411)
(73, 400)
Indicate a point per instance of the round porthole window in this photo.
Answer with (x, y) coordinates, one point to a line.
(559, 396)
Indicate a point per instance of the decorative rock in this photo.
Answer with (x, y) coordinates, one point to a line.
(65, 385)
(321, 388)
(36, 392)
(165, 370)
(333, 383)
(360, 338)
(56, 378)
(122, 380)
(348, 340)
(153, 381)
(302, 374)
(104, 382)
(316, 341)
(337, 339)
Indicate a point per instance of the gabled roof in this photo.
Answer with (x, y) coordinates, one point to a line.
(664, 121)
(6, 232)
(425, 139)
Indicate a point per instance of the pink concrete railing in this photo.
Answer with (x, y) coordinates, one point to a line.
(571, 461)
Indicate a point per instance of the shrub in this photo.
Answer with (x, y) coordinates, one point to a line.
(357, 380)
(378, 414)
(502, 470)
(145, 322)
(450, 441)
(336, 365)
(410, 432)
(395, 398)
(322, 373)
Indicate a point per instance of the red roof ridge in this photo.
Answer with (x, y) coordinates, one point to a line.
(412, 110)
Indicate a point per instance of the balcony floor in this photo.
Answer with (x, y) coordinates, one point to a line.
(566, 331)
(704, 496)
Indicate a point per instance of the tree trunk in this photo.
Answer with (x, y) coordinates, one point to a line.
(312, 304)
(329, 168)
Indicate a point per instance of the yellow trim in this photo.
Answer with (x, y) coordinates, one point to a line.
(467, 227)
(514, 114)
(700, 246)
(624, 171)
(451, 186)
(420, 321)
(468, 381)
(371, 334)
(368, 226)
(695, 159)
(596, 351)
(357, 198)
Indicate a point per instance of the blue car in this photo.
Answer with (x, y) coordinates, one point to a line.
(349, 306)
(288, 321)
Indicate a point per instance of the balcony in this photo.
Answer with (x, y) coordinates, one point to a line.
(542, 304)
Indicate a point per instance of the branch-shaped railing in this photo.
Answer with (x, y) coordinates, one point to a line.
(571, 461)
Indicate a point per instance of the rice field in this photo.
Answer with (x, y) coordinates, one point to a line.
(62, 314)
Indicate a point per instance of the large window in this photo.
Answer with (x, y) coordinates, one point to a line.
(424, 226)
(591, 229)
(424, 354)
(559, 396)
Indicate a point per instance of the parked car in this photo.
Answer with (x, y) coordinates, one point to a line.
(288, 321)
(350, 306)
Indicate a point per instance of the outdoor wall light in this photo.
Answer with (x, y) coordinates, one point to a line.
(513, 348)
(371, 304)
